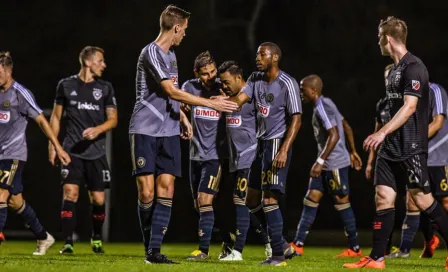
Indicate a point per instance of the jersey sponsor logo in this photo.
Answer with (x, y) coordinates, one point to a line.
(206, 113)
(263, 110)
(233, 121)
(5, 116)
(394, 96)
(88, 106)
(397, 77)
(97, 93)
(415, 85)
(175, 79)
(6, 103)
(73, 93)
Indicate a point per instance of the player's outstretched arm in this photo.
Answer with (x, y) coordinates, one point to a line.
(332, 140)
(355, 160)
(221, 104)
(293, 128)
(112, 119)
(45, 127)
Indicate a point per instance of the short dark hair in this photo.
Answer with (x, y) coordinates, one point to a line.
(395, 28)
(6, 59)
(202, 60)
(275, 49)
(171, 16)
(232, 67)
(87, 52)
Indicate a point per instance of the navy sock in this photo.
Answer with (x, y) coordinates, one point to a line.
(3, 214)
(144, 218)
(206, 222)
(426, 227)
(160, 221)
(98, 216)
(68, 218)
(382, 227)
(242, 223)
(346, 212)
(29, 217)
(409, 229)
(306, 220)
(256, 226)
(274, 221)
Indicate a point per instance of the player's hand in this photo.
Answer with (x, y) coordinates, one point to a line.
(280, 159)
(186, 129)
(64, 157)
(369, 171)
(185, 107)
(316, 170)
(374, 140)
(220, 103)
(52, 155)
(91, 133)
(355, 161)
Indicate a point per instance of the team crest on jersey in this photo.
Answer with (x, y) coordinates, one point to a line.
(233, 121)
(415, 85)
(64, 173)
(174, 64)
(5, 116)
(6, 103)
(269, 98)
(263, 110)
(206, 113)
(141, 162)
(97, 93)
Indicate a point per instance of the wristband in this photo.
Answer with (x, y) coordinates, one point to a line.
(320, 161)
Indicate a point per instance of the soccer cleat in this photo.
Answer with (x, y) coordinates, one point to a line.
(446, 263)
(273, 262)
(235, 255)
(268, 250)
(430, 248)
(398, 254)
(2, 237)
(298, 250)
(225, 251)
(66, 249)
(289, 252)
(157, 258)
(393, 249)
(349, 253)
(367, 262)
(97, 246)
(197, 255)
(43, 245)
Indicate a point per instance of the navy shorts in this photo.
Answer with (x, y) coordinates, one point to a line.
(204, 177)
(273, 178)
(242, 177)
(155, 155)
(11, 176)
(335, 182)
(95, 173)
(437, 177)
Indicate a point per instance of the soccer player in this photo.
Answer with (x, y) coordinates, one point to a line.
(17, 105)
(277, 99)
(402, 142)
(154, 129)
(205, 168)
(90, 111)
(330, 171)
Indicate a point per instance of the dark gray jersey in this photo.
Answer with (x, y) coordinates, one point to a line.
(17, 104)
(326, 116)
(438, 144)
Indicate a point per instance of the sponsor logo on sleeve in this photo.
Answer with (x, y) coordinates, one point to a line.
(415, 85)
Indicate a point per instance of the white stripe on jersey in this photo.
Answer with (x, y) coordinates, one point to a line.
(438, 98)
(323, 114)
(27, 95)
(152, 51)
(292, 94)
(153, 109)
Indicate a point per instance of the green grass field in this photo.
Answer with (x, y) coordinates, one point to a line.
(16, 256)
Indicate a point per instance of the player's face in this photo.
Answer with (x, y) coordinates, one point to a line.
(5, 75)
(96, 64)
(207, 75)
(179, 33)
(263, 59)
(383, 42)
(231, 84)
(306, 92)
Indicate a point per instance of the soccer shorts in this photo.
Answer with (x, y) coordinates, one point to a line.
(273, 178)
(95, 173)
(335, 182)
(204, 177)
(155, 155)
(437, 177)
(11, 176)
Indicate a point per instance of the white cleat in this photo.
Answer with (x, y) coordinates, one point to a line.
(233, 256)
(268, 251)
(44, 245)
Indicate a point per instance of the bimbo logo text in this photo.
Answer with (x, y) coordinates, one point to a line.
(263, 110)
(4, 116)
(206, 113)
(233, 121)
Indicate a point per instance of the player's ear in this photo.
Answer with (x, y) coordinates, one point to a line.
(176, 28)
(196, 74)
(275, 57)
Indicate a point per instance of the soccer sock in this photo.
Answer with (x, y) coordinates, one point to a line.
(206, 221)
(439, 216)
(3, 214)
(31, 221)
(409, 229)
(242, 223)
(382, 227)
(160, 221)
(389, 243)
(144, 218)
(346, 212)
(68, 218)
(256, 226)
(306, 220)
(426, 227)
(98, 215)
(274, 221)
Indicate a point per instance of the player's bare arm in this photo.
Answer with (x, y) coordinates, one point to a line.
(239, 99)
(112, 119)
(55, 124)
(372, 156)
(355, 160)
(223, 105)
(282, 155)
(408, 108)
(332, 140)
(435, 125)
(186, 128)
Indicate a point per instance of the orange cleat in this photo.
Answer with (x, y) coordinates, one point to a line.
(349, 253)
(299, 250)
(2, 237)
(367, 262)
(446, 263)
(430, 248)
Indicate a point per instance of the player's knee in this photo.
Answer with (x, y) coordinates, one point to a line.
(314, 195)
(4, 194)
(341, 199)
(71, 194)
(146, 195)
(205, 199)
(253, 200)
(445, 203)
(383, 201)
(15, 202)
(97, 198)
(411, 206)
(270, 197)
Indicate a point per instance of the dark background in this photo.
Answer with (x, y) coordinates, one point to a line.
(334, 39)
